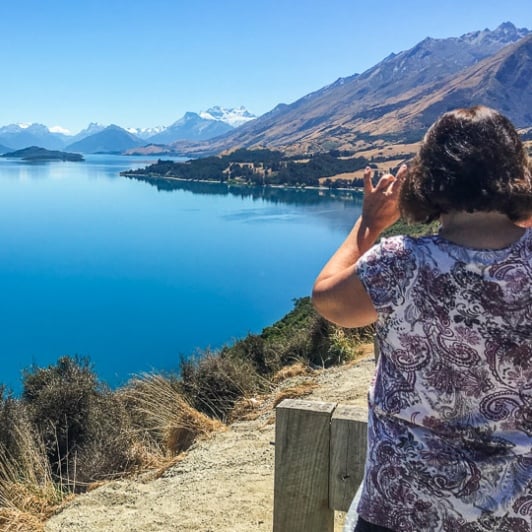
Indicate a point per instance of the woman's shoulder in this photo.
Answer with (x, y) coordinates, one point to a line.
(528, 236)
(392, 250)
(407, 243)
(436, 249)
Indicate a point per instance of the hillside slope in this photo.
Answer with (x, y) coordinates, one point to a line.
(396, 99)
(112, 139)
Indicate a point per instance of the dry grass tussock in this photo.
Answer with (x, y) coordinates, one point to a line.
(160, 426)
(294, 370)
(28, 493)
(12, 520)
(165, 415)
(247, 408)
(294, 392)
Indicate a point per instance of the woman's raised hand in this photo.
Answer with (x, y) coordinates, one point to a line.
(380, 207)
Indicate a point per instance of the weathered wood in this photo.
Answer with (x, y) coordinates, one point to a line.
(348, 454)
(301, 482)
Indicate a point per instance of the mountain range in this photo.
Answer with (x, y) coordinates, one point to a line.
(397, 99)
(97, 138)
(392, 102)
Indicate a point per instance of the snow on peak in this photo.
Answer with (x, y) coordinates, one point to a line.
(505, 33)
(92, 128)
(145, 132)
(233, 116)
(38, 129)
(60, 129)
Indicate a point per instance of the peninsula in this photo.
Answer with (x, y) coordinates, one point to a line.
(263, 167)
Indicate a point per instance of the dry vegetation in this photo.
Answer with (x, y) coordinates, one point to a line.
(68, 433)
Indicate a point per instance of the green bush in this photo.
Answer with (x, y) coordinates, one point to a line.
(334, 345)
(262, 354)
(300, 336)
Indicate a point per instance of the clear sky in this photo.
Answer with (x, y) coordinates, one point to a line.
(143, 63)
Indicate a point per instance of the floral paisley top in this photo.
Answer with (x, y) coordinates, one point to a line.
(450, 425)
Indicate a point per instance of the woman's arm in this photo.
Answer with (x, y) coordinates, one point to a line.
(338, 294)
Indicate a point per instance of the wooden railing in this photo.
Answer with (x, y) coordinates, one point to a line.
(320, 450)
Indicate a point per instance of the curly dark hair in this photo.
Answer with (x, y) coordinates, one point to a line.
(470, 160)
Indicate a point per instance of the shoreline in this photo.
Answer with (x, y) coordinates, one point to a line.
(152, 177)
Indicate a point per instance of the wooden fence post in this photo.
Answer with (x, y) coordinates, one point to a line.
(302, 455)
(348, 454)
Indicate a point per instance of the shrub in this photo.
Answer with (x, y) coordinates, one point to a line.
(333, 345)
(28, 494)
(59, 400)
(13, 416)
(262, 354)
(162, 418)
(109, 449)
(84, 428)
(300, 336)
(213, 383)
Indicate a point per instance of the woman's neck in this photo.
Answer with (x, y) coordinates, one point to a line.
(480, 230)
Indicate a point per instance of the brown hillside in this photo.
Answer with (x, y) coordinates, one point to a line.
(396, 100)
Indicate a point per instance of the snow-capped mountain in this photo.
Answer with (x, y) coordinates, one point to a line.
(201, 126)
(91, 129)
(16, 128)
(145, 132)
(18, 136)
(492, 41)
(60, 129)
(192, 126)
(233, 116)
(110, 139)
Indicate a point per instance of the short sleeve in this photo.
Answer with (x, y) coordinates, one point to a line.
(386, 271)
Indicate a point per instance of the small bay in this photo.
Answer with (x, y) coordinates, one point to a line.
(136, 274)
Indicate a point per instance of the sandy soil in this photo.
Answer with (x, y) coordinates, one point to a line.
(223, 484)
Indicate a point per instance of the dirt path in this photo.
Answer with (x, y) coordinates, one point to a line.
(224, 484)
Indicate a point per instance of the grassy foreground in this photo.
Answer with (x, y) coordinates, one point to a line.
(68, 432)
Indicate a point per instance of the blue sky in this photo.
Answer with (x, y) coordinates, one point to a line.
(145, 63)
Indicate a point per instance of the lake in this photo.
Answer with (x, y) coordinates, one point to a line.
(136, 276)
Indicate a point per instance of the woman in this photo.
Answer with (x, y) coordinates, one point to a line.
(450, 423)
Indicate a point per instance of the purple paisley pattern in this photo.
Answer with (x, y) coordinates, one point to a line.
(450, 425)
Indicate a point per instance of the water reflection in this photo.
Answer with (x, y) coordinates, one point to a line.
(289, 196)
(100, 265)
(338, 208)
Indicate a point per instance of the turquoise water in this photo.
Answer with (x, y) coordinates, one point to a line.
(135, 275)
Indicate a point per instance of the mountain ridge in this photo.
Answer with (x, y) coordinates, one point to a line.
(207, 124)
(192, 126)
(394, 100)
(343, 113)
(112, 139)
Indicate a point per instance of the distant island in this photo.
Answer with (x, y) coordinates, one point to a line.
(35, 154)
